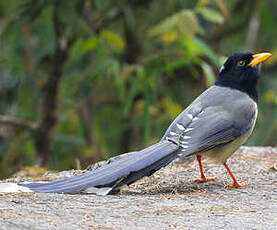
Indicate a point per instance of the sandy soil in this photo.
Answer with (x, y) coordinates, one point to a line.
(170, 199)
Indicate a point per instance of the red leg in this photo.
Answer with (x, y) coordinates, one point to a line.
(236, 184)
(203, 178)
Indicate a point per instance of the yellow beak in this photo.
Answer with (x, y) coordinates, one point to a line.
(258, 58)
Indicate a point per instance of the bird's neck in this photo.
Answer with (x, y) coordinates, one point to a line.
(250, 88)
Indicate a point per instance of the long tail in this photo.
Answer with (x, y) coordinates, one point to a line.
(110, 177)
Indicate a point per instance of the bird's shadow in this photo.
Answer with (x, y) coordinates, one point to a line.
(179, 189)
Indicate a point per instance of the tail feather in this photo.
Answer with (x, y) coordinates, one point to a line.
(124, 171)
(84, 177)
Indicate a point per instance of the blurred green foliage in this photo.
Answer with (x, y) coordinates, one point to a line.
(131, 66)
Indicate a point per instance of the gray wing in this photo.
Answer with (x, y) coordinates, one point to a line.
(210, 128)
(213, 129)
(218, 116)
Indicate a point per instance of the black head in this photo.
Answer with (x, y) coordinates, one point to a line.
(241, 71)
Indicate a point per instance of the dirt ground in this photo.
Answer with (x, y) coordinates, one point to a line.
(170, 199)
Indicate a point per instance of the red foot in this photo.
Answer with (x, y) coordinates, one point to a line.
(205, 179)
(238, 185)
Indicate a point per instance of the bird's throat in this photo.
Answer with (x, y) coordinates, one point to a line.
(249, 87)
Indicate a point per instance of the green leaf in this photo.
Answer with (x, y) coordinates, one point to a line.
(211, 15)
(268, 21)
(192, 49)
(82, 47)
(102, 5)
(113, 39)
(89, 45)
(207, 51)
(130, 97)
(171, 107)
(202, 3)
(170, 66)
(208, 73)
(184, 21)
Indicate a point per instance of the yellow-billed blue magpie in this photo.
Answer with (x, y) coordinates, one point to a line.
(215, 125)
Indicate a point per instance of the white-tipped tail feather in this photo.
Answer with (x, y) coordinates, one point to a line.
(13, 187)
(110, 177)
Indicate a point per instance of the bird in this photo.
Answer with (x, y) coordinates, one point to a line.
(214, 125)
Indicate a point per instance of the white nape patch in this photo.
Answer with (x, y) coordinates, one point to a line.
(188, 129)
(186, 137)
(222, 68)
(173, 134)
(13, 187)
(190, 116)
(181, 127)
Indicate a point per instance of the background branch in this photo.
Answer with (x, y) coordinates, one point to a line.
(18, 123)
(48, 121)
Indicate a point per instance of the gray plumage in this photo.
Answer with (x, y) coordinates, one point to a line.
(210, 125)
(211, 122)
(113, 175)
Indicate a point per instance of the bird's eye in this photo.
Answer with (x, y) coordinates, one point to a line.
(241, 63)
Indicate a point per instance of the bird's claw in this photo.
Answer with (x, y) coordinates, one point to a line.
(205, 179)
(238, 185)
